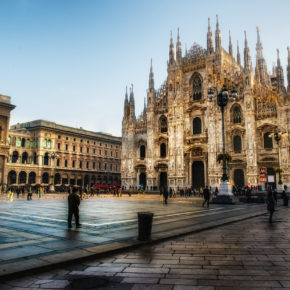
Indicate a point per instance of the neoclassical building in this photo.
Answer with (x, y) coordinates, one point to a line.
(178, 137)
(42, 152)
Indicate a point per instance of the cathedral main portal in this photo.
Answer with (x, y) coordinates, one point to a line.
(197, 174)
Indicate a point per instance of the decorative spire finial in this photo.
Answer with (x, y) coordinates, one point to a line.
(151, 78)
(230, 44)
(238, 54)
(218, 38)
(209, 39)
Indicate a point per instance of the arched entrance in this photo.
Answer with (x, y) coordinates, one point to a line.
(22, 177)
(163, 179)
(11, 179)
(57, 179)
(239, 177)
(142, 180)
(45, 178)
(32, 178)
(197, 174)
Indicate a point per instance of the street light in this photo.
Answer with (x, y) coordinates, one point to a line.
(222, 100)
(278, 135)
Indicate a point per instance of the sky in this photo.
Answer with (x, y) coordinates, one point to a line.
(69, 61)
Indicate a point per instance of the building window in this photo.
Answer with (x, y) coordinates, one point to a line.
(81, 164)
(73, 164)
(106, 152)
(58, 136)
(237, 144)
(81, 149)
(142, 152)
(45, 159)
(196, 125)
(81, 140)
(74, 148)
(88, 150)
(23, 142)
(58, 146)
(65, 163)
(100, 165)
(57, 162)
(87, 165)
(116, 154)
(94, 165)
(268, 141)
(14, 156)
(197, 88)
(111, 167)
(105, 166)
(237, 115)
(116, 167)
(111, 153)
(88, 142)
(100, 152)
(66, 147)
(34, 158)
(94, 150)
(24, 157)
(66, 138)
(74, 139)
(163, 124)
(163, 150)
(44, 143)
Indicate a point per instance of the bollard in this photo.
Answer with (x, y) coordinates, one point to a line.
(144, 225)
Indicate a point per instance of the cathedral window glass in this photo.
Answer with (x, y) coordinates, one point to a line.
(237, 115)
(163, 124)
(237, 144)
(196, 125)
(197, 88)
(142, 152)
(163, 150)
(268, 141)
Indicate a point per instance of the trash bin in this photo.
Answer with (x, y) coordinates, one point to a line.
(144, 225)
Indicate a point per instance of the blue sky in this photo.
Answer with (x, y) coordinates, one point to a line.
(69, 61)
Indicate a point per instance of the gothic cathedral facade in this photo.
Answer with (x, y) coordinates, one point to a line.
(177, 140)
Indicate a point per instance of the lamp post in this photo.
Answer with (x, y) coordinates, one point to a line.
(51, 186)
(222, 100)
(278, 135)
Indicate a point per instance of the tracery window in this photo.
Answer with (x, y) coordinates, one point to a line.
(237, 144)
(268, 141)
(196, 125)
(163, 124)
(237, 115)
(163, 150)
(197, 88)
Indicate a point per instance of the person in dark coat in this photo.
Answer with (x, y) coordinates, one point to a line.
(165, 195)
(206, 196)
(270, 204)
(73, 209)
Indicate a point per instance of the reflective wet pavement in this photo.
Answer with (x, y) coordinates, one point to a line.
(33, 233)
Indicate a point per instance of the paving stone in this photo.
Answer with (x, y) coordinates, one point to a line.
(141, 280)
(57, 284)
(178, 281)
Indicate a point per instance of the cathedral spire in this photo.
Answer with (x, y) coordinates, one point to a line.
(279, 73)
(247, 57)
(126, 103)
(151, 78)
(218, 38)
(238, 54)
(171, 50)
(178, 47)
(145, 108)
(132, 104)
(230, 44)
(257, 72)
(209, 38)
(261, 63)
(259, 46)
(288, 69)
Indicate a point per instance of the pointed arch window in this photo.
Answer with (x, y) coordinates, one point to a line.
(237, 115)
(196, 125)
(268, 141)
(197, 88)
(163, 124)
(237, 144)
(142, 152)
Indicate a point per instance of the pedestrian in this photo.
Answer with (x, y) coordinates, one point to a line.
(206, 196)
(165, 195)
(285, 198)
(270, 204)
(161, 193)
(73, 209)
(275, 196)
(216, 191)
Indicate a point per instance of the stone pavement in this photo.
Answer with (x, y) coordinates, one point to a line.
(34, 235)
(250, 254)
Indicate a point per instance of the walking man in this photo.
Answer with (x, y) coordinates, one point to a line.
(206, 196)
(73, 209)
